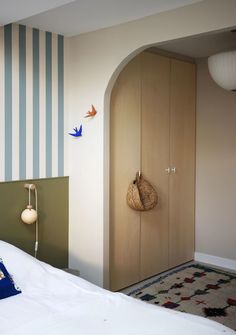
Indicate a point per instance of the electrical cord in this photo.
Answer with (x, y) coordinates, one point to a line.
(36, 225)
(36, 244)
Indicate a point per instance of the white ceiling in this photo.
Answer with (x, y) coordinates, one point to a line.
(202, 45)
(75, 17)
(14, 10)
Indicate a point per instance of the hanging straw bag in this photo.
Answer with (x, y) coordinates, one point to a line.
(141, 196)
(133, 197)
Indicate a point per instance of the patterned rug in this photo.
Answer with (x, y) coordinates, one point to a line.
(195, 289)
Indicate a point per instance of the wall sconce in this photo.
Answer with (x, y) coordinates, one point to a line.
(30, 215)
(222, 68)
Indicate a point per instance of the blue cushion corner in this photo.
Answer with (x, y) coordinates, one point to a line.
(7, 285)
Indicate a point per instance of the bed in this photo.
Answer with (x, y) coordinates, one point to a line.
(54, 302)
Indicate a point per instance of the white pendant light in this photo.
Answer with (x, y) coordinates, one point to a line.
(222, 68)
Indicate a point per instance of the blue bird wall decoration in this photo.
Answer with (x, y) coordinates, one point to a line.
(77, 133)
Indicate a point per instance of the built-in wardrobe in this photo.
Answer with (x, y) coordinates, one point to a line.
(152, 129)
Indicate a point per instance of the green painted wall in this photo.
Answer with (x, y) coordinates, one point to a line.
(53, 218)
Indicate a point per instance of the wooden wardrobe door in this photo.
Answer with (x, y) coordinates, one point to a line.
(182, 154)
(155, 74)
(125, 134)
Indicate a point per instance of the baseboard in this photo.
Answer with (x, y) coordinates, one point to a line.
(216, 261)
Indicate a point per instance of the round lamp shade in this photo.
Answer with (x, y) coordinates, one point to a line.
(29, 215)
(222, 68)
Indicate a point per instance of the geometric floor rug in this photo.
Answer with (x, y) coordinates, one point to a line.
(194, 289)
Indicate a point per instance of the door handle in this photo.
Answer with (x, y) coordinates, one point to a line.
(173, 169)
(167, 170)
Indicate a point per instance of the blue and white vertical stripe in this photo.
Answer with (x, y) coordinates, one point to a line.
(31, 103)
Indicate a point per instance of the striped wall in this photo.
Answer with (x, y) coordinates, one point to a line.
(31, 103)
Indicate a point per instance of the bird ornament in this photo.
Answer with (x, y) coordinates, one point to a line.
(91, 113)
(77, 133)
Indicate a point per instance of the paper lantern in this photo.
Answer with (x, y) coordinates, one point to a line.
(222, 68)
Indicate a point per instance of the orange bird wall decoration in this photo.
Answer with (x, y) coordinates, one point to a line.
(91, 113)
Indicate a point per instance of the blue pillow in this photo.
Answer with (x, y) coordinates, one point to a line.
(7, 285)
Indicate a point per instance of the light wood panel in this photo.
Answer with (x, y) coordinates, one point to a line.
(152, 128)
(182, 153)
(125, 161)
(155, 79)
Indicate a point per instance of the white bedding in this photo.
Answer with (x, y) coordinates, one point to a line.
(54, 302)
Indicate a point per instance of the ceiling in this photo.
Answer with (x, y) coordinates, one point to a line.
(202, 45)
(14, 10)
(71, 18)
(74, 17)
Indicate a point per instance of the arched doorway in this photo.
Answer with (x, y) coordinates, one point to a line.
(152, 129)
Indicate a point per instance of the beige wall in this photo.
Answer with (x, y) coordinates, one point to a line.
(94, 60)
(216, 168)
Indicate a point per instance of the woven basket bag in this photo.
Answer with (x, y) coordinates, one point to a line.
(141, 196)
(133, 197)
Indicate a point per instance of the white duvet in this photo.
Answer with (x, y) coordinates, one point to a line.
(54, 302)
